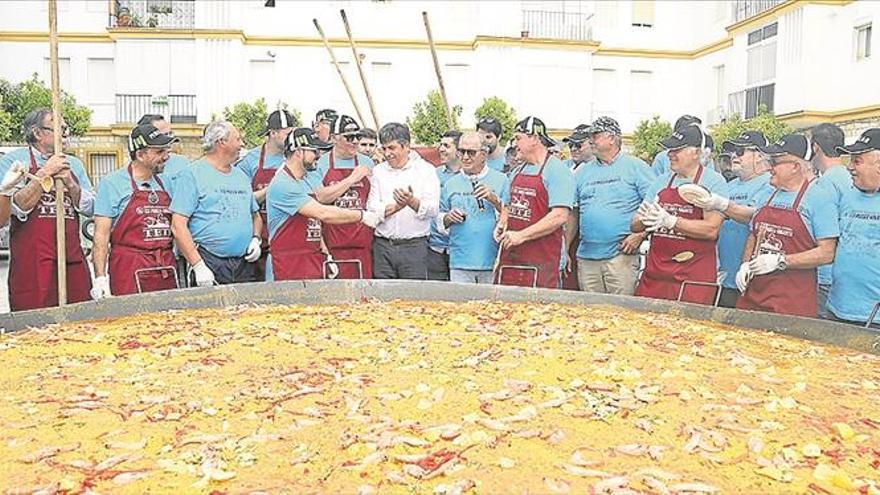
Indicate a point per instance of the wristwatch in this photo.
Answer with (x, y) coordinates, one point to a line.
(782, 263)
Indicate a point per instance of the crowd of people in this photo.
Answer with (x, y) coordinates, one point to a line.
(789, 227)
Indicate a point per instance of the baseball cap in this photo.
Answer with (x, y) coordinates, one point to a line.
(147, 136)
(326, 115)
(579, 134)
(868, 141)
(344, 124)
(490, 124)
(279, 119)
(790, 144)
(304, 137)
(749, 139)
(605, 124)
(829, 137)
(689, 135)
(536, 126)
(685, 120)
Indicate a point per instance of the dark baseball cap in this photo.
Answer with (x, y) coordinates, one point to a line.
(868, 141)
(326, 115)
(689, 135)
(605, 124)
(749, 139)
(580, 134)
(343, 125)
(490, 124)
(536, 126)
(304, 137)
(686, 120)
(147, 136)
(790, 144)
(279, 119)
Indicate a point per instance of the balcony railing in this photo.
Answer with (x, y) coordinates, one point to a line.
(178, 109)
(162, 14)
(557, 25)
(744, 9)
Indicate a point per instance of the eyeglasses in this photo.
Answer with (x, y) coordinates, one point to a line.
(350, 137)
(575, 145)
(462, 153)
(64, 129)
(776, 163)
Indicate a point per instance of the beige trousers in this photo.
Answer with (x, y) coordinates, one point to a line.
(612, 276)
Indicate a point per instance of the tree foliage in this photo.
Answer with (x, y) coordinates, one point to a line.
(250, 119)
(498, 109)
(428, 121)
(765, 122)
(647, 137)
(18, 100)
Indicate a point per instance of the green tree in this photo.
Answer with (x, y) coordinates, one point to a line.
(498, 109)
(250, 119)
(646, 139)
(18, 100)
(428, 121)
(765, 122)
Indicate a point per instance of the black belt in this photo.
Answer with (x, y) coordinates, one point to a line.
(399, 242)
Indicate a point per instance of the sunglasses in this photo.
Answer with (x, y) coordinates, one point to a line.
(575, 145)
(350, 137)
(742, 151)
(776, 163)
(467, 153)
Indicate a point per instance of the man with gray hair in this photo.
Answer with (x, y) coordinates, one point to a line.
(216, 221)
(406, 188)
(32, 274)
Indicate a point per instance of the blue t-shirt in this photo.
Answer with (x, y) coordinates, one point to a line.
(220, 208)
(732, 239)
(285, 196)
(815, 210)
(114, 193)
(251, 162)
(837, 180)
(173, 167)
(711, 180)
(471, 245)
(438, 240)
(557, 179)
(21, 155)
(496, 163)
(856, 286)
(607, 197)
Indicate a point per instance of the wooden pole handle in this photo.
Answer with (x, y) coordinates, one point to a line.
(360, 68)
(348, 90)
(60, 241)
(449, 119)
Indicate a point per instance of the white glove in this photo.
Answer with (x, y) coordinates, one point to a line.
(713, 202)
(658, 218)
(766, 263)
(371, 218)
(644, 209)
(100, 288)
(204, 275)
(253, 251)
(332, 268)
(743, 277)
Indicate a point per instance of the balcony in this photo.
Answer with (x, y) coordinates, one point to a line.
(153, 14)
(745, 9)
(178, 109)
(557, 25)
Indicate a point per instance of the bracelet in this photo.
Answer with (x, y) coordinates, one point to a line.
(362, 216)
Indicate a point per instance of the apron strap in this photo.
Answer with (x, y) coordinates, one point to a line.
(801, 193)
(697, 177)
(33, 160)
(333, 161)
(262, 157)
(134, 186)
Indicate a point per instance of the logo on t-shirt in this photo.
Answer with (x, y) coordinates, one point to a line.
(313, 230)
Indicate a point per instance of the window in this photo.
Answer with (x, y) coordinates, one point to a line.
(262, 80)
(863, 42)
(101, 164)
(757, 97)
(760, 70)
(720, 90)
(604, 93)
(101, 79)
(63, 74)
(643, 13)
(641, 95)
(764, 33)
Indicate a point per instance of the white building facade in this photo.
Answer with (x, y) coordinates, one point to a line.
(565, 61)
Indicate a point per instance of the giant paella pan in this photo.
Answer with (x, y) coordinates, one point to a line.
(395, 387)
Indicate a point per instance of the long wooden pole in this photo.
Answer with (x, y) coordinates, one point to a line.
(60, 241)
(360, 67)
(348, 90)
(437, 70)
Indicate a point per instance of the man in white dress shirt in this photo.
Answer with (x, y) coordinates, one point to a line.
(407, 189)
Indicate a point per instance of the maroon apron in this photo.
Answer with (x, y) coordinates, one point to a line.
(296, 248)
(353, 241)
(140, 240)
(790, 292)
(262, 177)
(697, 259)
(529, 203)
(33, 278)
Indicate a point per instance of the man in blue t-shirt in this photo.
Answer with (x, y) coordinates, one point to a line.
(580, 147)
(608, 191)
(833, 176)
(490, 132)
(660, 165)
(176, 163)
(855, 289)
(471, 202)
(438, 242)
(216, 221)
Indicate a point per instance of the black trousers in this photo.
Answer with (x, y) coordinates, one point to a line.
(438, 265)
(228, 270)
(400, 258)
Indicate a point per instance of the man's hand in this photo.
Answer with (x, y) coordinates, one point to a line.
(483, 192)
(630, 244)
(360, 172)
(204, 275)
(54, 165)
(511, 239)
(402, 196)
(100, 288)
(569, 263)
(713, 202)
(766, 263)
(743, 277)
(657, 218)
(500, 229)
(454, 216)
(253, 250)
(66, 176)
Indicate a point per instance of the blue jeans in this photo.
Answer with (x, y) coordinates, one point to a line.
(470, 276)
